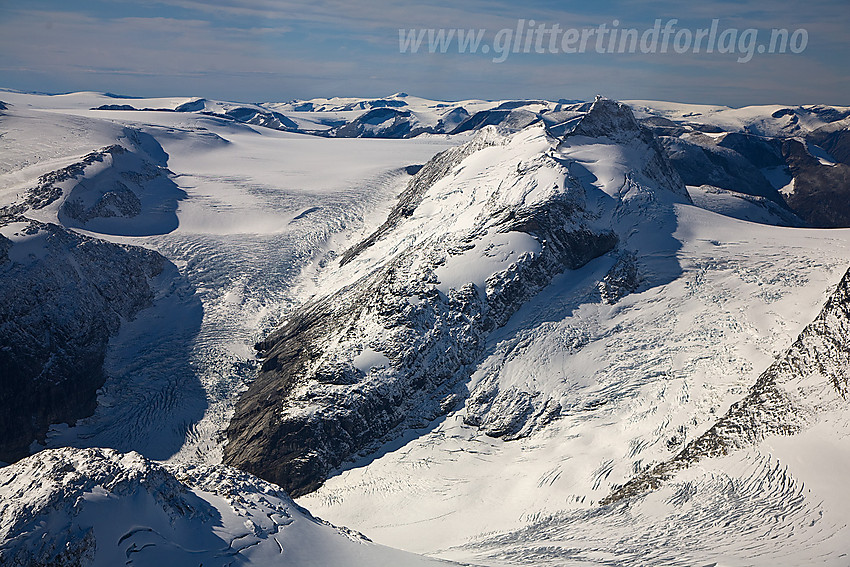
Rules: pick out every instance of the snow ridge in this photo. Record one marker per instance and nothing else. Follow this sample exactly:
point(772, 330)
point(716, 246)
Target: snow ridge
point(98, 507)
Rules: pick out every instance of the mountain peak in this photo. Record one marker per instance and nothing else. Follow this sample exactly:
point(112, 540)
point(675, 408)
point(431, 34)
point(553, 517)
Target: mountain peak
point(608, 118)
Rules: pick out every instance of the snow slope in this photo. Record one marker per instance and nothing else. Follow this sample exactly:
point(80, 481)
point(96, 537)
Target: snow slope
point(97, 507)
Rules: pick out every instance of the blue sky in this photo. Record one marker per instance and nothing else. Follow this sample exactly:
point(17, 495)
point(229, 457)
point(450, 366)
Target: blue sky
point(262, 50)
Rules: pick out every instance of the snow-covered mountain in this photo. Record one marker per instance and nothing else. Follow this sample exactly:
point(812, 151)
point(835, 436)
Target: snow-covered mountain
point(499, 333)
point(396, 116)
point(479, 231)
point(796, 157)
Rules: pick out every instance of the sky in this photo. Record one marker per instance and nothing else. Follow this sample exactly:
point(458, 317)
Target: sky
point(269, 50)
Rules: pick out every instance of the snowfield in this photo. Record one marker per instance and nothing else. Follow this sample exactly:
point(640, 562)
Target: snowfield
point(601, 374)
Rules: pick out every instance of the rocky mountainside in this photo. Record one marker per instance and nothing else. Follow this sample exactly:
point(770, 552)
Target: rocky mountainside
point(479, 231)
point(795, 157)
point(63, 296)
point(821, 187)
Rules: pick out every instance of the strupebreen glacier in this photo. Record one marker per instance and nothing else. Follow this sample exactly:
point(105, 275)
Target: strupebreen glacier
point(490, 332)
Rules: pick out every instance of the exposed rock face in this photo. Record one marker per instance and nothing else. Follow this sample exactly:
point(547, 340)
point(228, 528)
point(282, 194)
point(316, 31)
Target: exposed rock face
point(700, 161)
point(821, 194)
point(387, 122)
point(274, 120)
point(392, 348)
point(835, 139)
point(61, 297)
point(812, 376)
point(621, 280)
point(759, 152)
point(516, 119)
point(49, 187)
point(115, 107)
point(796, 157)
point(378, 123)
point(661, 126)
point(613, 120)
point(122, 189)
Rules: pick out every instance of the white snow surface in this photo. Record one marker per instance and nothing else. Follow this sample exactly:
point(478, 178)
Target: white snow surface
point(369, 359)
point(763, 120)
point(639, 379)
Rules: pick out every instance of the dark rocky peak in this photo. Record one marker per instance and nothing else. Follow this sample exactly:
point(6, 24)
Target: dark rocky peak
point(383, 103)
point(758, 150)
point(609, 119)
point(834, 138)
point(821, 195)
point(783, 112)
point(661, 126)
point(192, 106)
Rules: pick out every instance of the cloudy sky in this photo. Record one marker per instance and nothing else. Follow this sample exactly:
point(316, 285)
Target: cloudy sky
point(262, 50)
